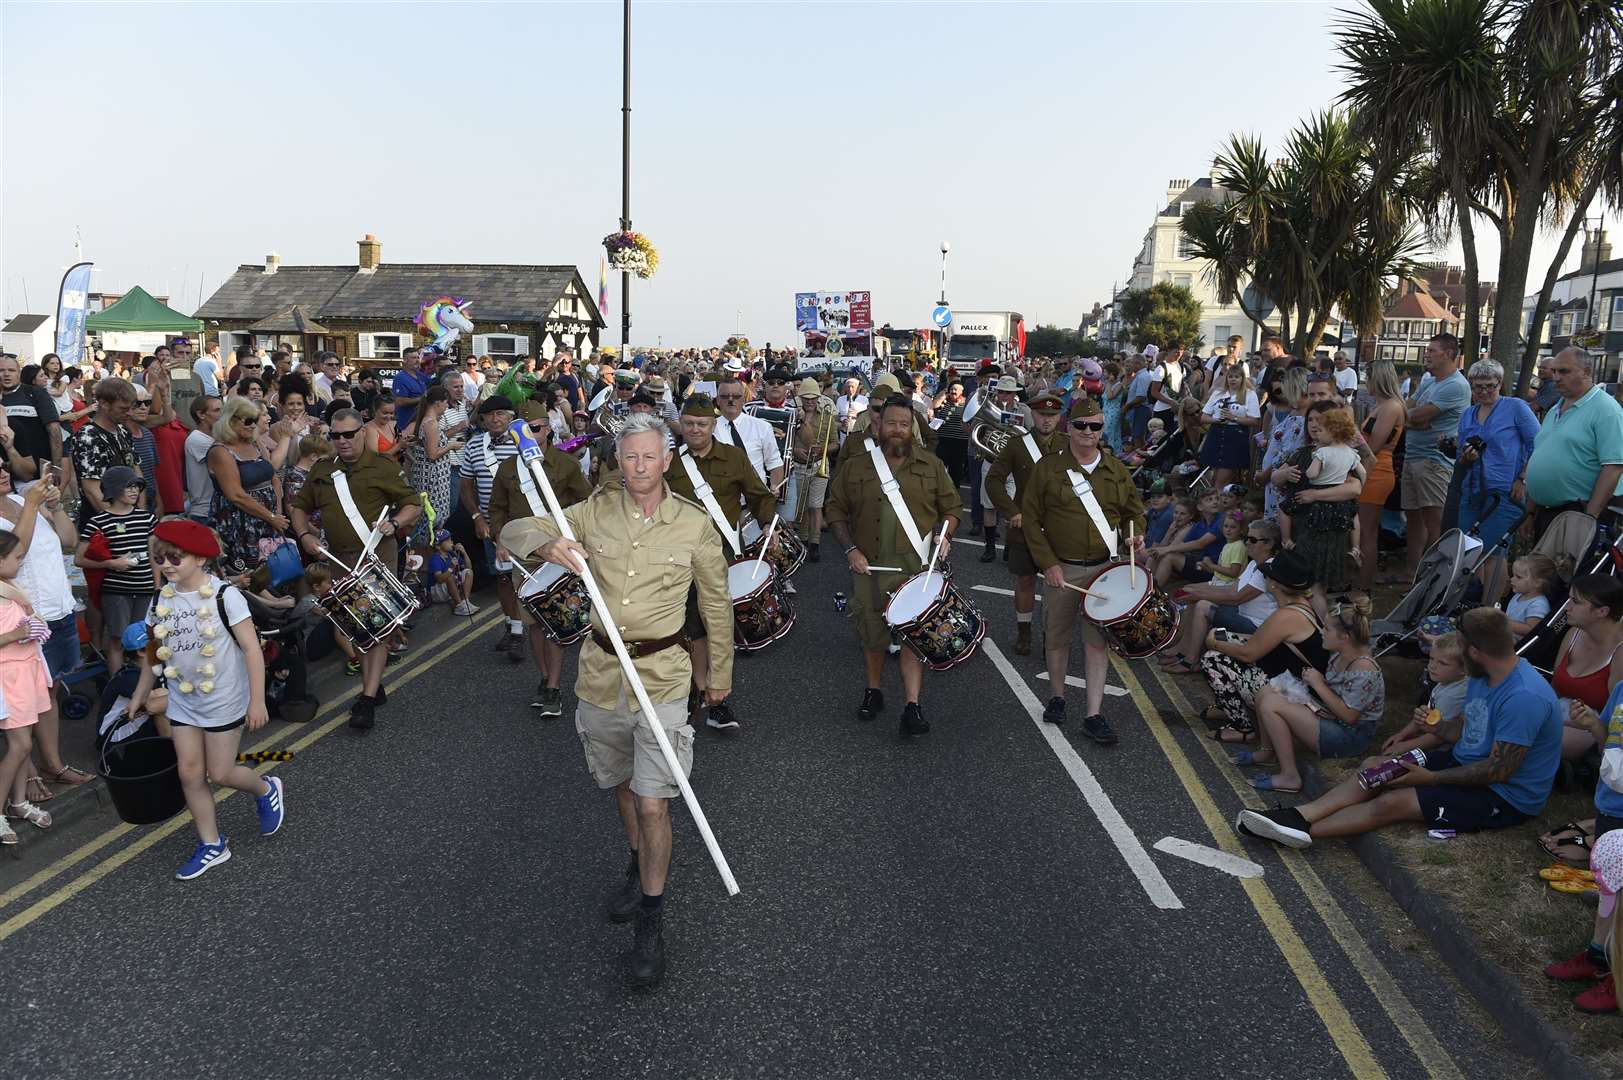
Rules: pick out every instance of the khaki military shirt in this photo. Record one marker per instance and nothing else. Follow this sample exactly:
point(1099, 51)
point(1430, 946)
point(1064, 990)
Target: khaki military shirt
point(728, 471)
point(856, 498)
point(375, 482)
point(862, 429)
point(644, 568)
point(1016, 461)
point(507, 499)
point(1056, 525)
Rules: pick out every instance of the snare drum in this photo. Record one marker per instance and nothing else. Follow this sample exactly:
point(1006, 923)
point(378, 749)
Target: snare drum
point(938, 624)
point(369, 604)
point(1136, 618)
point(559, 602)
point(791, 550)
point(762, 612)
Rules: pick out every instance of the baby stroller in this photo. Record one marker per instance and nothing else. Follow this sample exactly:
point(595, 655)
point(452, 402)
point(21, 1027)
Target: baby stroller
point(1439, 588)
point(282, 635)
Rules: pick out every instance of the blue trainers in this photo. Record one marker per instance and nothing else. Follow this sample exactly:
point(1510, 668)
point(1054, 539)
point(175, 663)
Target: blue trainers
point(270, 807)
point(204, 859)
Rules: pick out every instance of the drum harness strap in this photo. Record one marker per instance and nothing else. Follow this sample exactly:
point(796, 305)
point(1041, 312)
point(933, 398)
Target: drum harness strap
point(1031, 447)
point(526, 484)
point(707, 495)
point(893, 492)
point(1090, 503)
point(346, 500)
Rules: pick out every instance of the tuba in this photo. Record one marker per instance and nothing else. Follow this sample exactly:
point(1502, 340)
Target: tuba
point(987, 431)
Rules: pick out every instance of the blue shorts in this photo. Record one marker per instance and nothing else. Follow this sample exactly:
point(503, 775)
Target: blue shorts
point(61, 649)
point(1493, 514)
point(1464, 809)
point(1228, 617)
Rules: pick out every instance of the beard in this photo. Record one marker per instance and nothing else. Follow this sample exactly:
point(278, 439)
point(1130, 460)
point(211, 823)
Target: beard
point(1472, 668)
point(896, 445)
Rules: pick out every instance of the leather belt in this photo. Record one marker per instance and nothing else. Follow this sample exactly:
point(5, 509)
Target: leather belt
point(638, 649)
point(1084, 565)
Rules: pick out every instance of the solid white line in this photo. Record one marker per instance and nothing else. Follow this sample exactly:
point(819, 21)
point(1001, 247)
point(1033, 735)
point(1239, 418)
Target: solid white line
point(1082, 684)
point(1138, 860)
point(1208, 856)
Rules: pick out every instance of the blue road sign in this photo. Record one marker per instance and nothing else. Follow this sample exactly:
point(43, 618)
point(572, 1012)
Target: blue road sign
point(942, 316)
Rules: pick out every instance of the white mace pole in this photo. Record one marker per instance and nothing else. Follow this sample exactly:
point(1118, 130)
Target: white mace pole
point(532, 455)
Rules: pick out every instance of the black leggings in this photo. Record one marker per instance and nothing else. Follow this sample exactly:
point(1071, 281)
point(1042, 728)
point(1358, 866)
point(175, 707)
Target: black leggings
point(954, 454)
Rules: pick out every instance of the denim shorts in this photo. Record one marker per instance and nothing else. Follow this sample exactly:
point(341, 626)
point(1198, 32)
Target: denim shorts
point(1228, 617)
point(61, 649)
point(1337, 740)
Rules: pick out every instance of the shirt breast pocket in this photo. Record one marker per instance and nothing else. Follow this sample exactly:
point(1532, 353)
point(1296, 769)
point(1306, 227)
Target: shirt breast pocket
point(672, 566)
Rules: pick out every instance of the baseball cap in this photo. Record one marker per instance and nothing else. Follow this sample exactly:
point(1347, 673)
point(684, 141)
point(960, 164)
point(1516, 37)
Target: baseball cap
point(119, 477)
point(442, 534)
point(134, 637)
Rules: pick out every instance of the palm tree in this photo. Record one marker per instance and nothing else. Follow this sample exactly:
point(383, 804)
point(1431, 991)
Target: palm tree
point(1516, 103)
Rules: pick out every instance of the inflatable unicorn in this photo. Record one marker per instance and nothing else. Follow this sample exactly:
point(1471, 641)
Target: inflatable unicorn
point(444, 319)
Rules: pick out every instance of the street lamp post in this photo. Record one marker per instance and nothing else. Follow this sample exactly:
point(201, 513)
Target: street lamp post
point(625, 174)
point(945, 247)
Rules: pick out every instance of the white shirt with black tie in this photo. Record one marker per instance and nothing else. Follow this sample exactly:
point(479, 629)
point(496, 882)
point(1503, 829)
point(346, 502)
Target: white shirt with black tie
point(757, 439)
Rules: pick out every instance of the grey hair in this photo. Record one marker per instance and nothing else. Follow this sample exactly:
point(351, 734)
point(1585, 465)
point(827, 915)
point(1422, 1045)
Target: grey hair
point(1487, 369)
point(346, 414)
point(641, 424)
point(1293, 386)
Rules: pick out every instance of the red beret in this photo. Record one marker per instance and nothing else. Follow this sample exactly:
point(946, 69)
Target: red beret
point(189, 536)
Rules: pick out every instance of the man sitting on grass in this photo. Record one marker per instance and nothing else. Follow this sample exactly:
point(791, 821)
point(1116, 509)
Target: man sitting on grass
point(1507, 748)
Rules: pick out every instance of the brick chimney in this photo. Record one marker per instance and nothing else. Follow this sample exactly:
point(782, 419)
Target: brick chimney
point(1597, 249)
point(273, 262)
point(371, 253)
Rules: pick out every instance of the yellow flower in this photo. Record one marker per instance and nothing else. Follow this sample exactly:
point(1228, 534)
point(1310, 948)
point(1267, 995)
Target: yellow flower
point(160, 631)
point(206, 592)
point(206, 631)
point(161, 610)
point(206, 669)
point(207, 688)
point(208, 650)
point(167, 591)
point(165, 652)
point(171, 671)
point(157, 669)
point(185, 688)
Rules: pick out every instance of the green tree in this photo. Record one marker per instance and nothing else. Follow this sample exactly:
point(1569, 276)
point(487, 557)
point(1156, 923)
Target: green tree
point(1053, 341)
point(1517, 105)
point(1162, 314)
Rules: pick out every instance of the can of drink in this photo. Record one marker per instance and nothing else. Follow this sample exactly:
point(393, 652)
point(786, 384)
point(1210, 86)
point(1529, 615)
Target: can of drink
point(1380, 775)
point(839, 602)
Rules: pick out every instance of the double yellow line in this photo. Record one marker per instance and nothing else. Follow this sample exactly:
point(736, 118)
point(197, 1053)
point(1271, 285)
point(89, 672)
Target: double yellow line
point(432, 654)
point(1338, 1022)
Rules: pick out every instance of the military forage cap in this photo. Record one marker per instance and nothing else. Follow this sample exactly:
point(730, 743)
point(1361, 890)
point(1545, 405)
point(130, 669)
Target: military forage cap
point(1047, 403)
point(700, 405)
point(1084, 407)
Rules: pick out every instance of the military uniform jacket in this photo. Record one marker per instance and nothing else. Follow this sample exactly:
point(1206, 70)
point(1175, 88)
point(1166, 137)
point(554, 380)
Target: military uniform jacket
point(507, 499)
point(1057, 527)
point(644, 568)
point(728, 471)
point(923, 434)
point(1016, 461)
point(856, 498)
point(374, 482)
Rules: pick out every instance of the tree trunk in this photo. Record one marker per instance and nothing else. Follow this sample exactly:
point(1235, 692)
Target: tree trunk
point(1284, 325)
point(1536, 330)
point(1518, 229)
point(1471, 332)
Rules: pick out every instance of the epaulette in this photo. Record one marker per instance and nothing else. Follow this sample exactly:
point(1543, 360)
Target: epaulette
point(690, 502)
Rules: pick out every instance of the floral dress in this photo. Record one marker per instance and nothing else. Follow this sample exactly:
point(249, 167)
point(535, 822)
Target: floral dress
point(433, 479)
point(1285, 436)
point(1115, 393)
point(242, 533)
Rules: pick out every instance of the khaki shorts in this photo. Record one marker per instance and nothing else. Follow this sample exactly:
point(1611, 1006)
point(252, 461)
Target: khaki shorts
point(1021, 564)
point(870, 593)
point(814, 495)
point(619, 746)
point(1425, 484)
point(1062, 610)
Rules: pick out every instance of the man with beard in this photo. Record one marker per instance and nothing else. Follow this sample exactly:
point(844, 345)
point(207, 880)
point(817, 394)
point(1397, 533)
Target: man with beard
point(1016, 463)
point(1074, 513)
point(866, 523)
point(1506, 752)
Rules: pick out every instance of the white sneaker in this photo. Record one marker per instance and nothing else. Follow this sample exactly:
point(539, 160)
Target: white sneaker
point(463, 608)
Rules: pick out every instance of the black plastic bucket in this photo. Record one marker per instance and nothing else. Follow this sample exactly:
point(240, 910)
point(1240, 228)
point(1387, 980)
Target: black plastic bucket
point(143, 778)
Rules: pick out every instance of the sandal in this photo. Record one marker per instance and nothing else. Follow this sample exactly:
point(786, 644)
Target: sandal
point(1230, 735)
point(1214, 718)
point(71, 775)
point(27, 811)
point(39, 790)
point(1249, 757)
point(8, 835)
point(1265, 782)
point(1566, 873)
point(1573, 887)
point(1569, 844)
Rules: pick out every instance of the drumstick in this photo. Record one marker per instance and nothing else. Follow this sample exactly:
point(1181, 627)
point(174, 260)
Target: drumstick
point(928, 570)
point(885, 569)
point(766, 542)
point(1085, 592)
point(1132, 563)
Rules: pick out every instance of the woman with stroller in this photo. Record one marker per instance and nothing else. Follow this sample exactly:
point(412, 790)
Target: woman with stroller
point(1495, 440)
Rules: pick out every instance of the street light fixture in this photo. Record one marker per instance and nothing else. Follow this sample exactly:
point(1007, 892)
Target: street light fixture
point(945, 247)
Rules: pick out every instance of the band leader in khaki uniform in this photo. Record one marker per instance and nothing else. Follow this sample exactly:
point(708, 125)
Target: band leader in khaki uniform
point(374, 483)
point(733, 479)
point(646, 546)
point(862, 520)
point(1066, 545)
point(813, 448)
point(1015, 462)
point(507, 502)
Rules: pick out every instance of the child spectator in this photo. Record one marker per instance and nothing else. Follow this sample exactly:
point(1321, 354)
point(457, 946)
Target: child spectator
point(1159, 512)
point(452, 573)
point(1531, 579)
point(1203, 536)
point(1226, 568)
point(1446, 670)
point(127, 587)
point(312, 448)
point(319, 578)
point(25, 686)
point(210, 656)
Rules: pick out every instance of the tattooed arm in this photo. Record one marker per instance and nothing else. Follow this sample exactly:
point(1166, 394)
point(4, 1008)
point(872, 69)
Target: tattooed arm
point(1500, 765)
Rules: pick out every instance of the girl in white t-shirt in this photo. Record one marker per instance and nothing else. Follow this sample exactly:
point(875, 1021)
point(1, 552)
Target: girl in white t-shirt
point(216, 681)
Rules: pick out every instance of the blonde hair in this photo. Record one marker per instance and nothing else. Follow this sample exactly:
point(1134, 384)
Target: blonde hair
point(1383, 380)
point(1351, 616)
point(1541, 568)
point(233, 409)
point(1449, 644)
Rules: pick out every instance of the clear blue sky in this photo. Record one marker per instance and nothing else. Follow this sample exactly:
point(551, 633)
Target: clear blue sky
point(776, 146)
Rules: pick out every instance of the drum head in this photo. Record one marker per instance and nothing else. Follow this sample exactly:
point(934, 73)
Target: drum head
point(1119, 590)
point(543, 579)
point(744, 580)
point(916, 596)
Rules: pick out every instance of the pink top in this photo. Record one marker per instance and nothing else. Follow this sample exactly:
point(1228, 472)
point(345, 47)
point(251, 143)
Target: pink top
point(24, 680)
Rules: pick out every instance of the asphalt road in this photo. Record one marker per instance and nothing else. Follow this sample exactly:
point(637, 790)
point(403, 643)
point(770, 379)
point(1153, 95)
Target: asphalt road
point(968, 905)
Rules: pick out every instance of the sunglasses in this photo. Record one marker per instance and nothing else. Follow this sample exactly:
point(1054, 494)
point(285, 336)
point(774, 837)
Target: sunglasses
point(1255, 539)
point(350, 434)
point(1087, 425)
point(166, 559)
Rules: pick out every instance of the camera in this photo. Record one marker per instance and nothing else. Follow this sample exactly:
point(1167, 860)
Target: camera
point(1476, 443)
point(1449, 446)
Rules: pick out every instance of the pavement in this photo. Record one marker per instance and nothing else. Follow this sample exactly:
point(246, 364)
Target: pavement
point(987, 901)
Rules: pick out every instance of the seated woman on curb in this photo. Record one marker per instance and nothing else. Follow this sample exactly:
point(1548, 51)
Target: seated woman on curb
point(1239, 608)
point(1507, 748)
point(1590, 661)
point(1350, 698)
point(1287, 642)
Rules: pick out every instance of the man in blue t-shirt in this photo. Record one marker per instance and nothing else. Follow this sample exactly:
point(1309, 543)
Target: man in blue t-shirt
point(409, 386)
point(1507, 748)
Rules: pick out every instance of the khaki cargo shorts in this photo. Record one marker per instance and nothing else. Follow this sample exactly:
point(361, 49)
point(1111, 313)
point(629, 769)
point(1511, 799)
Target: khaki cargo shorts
point(1062, 610)
point(1425, 484)
point(870, 594)
point(619, 746)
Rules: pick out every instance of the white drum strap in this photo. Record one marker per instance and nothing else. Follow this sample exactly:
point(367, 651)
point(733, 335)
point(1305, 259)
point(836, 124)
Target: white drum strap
point(1031, 447)
point(526, 484)
point(346, 499)
point(1090, 503)
point(707, 496)
point(898, 506)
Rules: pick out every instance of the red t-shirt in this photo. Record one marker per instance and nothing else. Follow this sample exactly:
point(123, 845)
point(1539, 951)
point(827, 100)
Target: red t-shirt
point(171, 441)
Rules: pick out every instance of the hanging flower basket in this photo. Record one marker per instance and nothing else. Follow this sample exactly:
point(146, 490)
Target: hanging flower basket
point(631, 252)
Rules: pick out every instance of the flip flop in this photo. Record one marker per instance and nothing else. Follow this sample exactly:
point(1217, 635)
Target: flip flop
point(1222, 735)
point(1574, 888)
point(1249, 757)
point(1566, 873)
point(1265, 782)
point(1214, 722)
